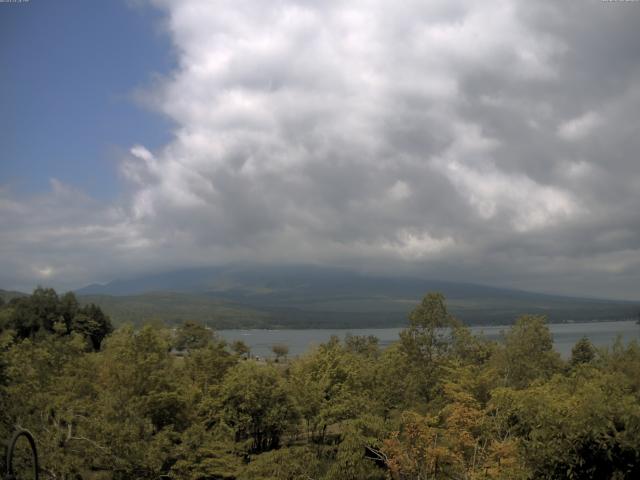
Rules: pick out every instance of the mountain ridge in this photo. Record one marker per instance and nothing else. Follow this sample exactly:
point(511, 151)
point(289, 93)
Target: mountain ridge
point(309, 296)
point(201, 280)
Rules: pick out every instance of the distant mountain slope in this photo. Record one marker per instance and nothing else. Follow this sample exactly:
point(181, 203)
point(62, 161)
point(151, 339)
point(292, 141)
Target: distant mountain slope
point(174, 308)
point(315, 297)
point(295, 281)
point(7, 295)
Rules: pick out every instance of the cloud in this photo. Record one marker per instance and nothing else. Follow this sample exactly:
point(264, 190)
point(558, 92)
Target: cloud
point(299, 117)
point(472, 141)
point(580, 127)
point(64, 236)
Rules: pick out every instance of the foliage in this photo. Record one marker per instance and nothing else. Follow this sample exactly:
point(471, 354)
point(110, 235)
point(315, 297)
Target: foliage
point(192, 335)
point(440, 403)
point(299, 463)
point(330, 385)
point(581, 426)
point(241, 349)
point(527, 353)
point(256, 406)
point(426, 343)
point(45, 312)
point(280, 350)
point(363, 345)
point(203, 453)
point(358, 455)
point(582, 352)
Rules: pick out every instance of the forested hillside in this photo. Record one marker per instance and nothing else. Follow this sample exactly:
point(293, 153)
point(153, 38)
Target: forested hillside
point(438, 404)
point(303, 296)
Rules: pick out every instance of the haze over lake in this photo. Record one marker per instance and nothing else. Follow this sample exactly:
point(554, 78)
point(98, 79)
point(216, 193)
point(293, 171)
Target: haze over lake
point(565, 335)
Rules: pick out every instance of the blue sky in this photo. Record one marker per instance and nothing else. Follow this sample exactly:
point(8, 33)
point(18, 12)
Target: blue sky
point(69, 72)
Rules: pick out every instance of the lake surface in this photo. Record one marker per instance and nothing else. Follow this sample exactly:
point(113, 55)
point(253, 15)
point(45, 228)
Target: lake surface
point(565, 335)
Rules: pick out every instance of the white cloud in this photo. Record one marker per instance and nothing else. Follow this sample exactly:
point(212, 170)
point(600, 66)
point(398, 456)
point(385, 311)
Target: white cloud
point(270, 98)
point(579, 127)
point(414, 133)
point(43, 272)
point(418, 245)
point(490, 192)
point(526, 203)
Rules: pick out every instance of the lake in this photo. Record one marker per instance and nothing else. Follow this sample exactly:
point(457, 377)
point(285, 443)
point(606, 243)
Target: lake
point(565, 335)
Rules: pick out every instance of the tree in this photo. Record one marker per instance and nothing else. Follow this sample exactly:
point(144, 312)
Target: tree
point(36, 313)
point(623, 360)
point(49, 381)
point(44, 312)
point(283, 464)
point(527, 353)
point(256, 405)
point(331, 385)
point(280, 351)
point(427, 340)
point(363, 345)
point(140, 407)
point(91, 322)
point(582, 352)
point(6, 314)
point(454, 444)
point(206, 367)
point(206, 454)
point(359, 455)
point(429, 334)
point(5, 423)
point(241, 349)
point(192, 335)
point(68, 308)
point(586, 425)
point(397, 386)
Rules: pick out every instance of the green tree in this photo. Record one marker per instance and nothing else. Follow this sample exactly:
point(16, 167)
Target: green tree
point(397, 386)
point(363, 345)
point(5, 421)
point(205, 367)
point(48, 384)
point(192, 335)
point(283, 464)
point(68, 307)
point(206, 454)
point(36, 313)
point(429, 333)
point(241, 349)
point(92, 323)
point(140, 407)
point(623, 360)
point(586, 425)
point(280, 351)
point(527, 353)
point(582, 352)
point(359, 455)
point(44, 312)
point(6, 313)
point(331, 385)
point(427, 341)
point(256, 405)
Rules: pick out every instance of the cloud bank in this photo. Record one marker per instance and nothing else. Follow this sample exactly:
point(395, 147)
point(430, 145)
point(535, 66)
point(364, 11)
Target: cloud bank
point(493, 143)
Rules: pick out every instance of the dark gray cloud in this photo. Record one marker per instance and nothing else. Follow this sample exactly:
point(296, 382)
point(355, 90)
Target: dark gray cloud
point(493, 143)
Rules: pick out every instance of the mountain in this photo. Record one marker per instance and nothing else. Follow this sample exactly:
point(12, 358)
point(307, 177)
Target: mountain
point(170, 308)
point(309, 296)
point(8, 295)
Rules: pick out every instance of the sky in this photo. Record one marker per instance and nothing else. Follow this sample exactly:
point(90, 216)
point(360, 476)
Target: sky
point(495, 143)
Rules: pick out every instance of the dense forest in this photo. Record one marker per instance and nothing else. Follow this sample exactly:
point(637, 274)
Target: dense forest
point(440, 403)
